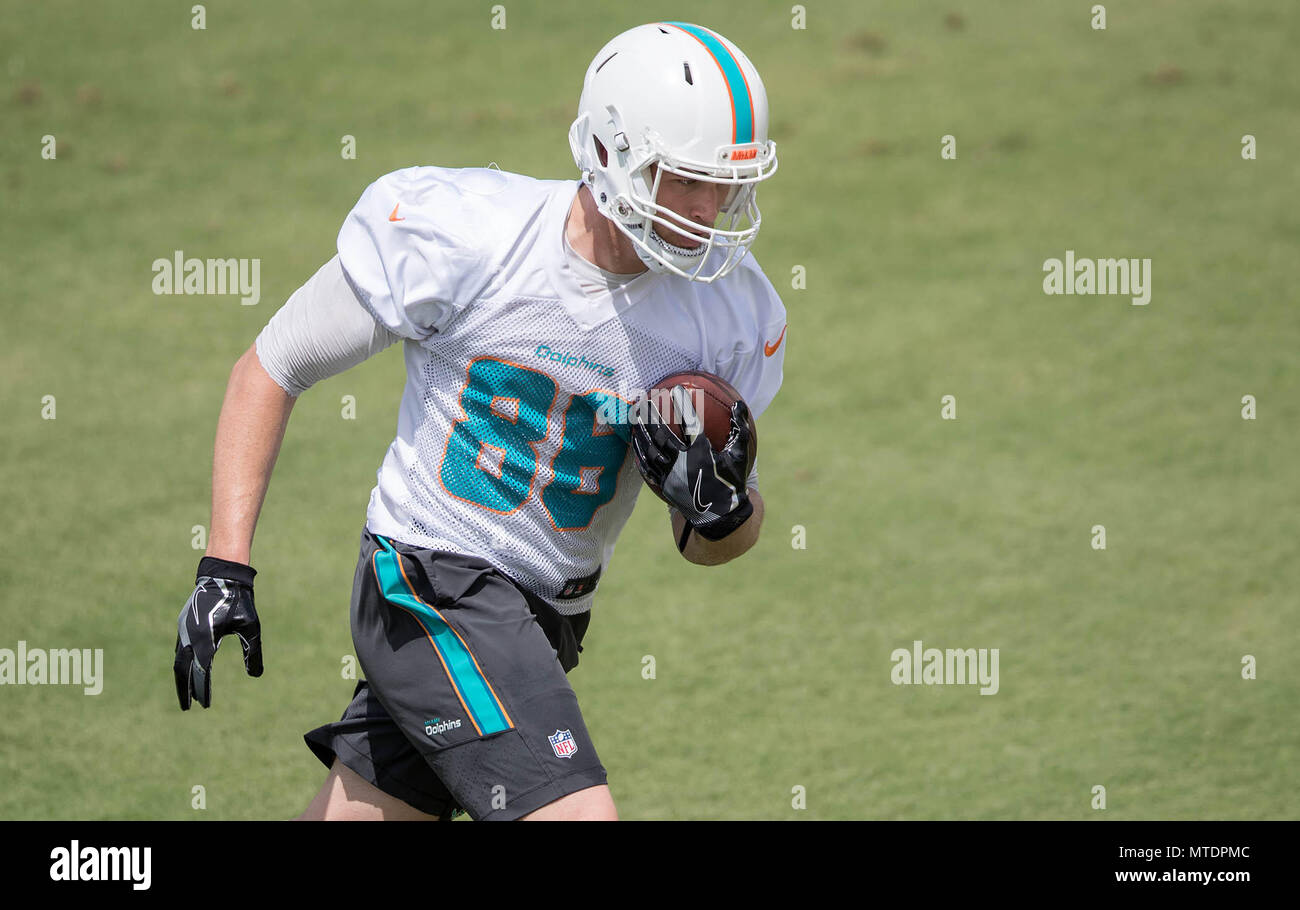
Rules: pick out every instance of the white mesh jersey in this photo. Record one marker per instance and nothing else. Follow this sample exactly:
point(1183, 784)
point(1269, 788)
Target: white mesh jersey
point(499, 452)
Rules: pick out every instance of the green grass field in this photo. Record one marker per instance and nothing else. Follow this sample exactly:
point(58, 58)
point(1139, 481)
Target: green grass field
point(1119, 668)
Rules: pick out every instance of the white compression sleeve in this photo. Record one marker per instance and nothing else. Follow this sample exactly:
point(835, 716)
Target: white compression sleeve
point(321, 331)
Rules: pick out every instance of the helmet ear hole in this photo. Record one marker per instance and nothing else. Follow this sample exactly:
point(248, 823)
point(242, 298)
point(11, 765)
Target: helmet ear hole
point(600, 152)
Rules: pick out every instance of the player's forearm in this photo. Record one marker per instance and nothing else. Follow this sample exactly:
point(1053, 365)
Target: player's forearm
point(704, 552)
point(249, 432)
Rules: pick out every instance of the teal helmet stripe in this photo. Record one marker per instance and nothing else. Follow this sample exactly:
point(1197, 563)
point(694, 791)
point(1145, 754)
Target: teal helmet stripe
point(485, 711)
point(742, 104)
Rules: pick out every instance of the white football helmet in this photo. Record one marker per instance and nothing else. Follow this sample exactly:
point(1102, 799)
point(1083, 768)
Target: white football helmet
point(686, 99)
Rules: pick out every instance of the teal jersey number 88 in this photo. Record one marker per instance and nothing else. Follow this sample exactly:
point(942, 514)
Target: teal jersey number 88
point(491, 455)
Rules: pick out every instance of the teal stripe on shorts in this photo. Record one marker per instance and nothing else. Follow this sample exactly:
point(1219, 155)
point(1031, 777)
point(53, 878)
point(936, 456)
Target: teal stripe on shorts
point(473, 688)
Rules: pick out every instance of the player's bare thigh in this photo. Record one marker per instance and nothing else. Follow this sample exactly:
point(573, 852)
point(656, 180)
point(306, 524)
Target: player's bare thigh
point(594, 804)
point(347, 796)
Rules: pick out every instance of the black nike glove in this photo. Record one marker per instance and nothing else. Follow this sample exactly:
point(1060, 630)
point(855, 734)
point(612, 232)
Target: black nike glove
point(221, 605)
point(709, 488)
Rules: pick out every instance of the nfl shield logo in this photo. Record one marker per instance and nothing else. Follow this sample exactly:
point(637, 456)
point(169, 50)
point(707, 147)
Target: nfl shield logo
point(562, 744)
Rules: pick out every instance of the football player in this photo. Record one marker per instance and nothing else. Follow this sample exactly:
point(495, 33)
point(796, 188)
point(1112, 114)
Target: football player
point(524, 306)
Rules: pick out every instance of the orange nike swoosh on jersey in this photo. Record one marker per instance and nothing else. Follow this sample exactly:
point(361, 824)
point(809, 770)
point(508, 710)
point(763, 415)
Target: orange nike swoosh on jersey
point(393, 217)
point(770, 349)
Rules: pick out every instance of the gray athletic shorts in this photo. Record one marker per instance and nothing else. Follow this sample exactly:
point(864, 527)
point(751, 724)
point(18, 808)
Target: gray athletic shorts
point(465, 705)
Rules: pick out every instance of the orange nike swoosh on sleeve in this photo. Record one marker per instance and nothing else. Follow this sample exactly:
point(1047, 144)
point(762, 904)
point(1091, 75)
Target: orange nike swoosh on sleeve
point(393, 217)
point(770, 349)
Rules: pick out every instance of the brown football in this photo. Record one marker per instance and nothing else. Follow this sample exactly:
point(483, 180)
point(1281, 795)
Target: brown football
point(712, 397)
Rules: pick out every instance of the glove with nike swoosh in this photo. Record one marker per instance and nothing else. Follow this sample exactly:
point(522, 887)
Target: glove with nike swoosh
point(709, 488)
point(221, 605)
